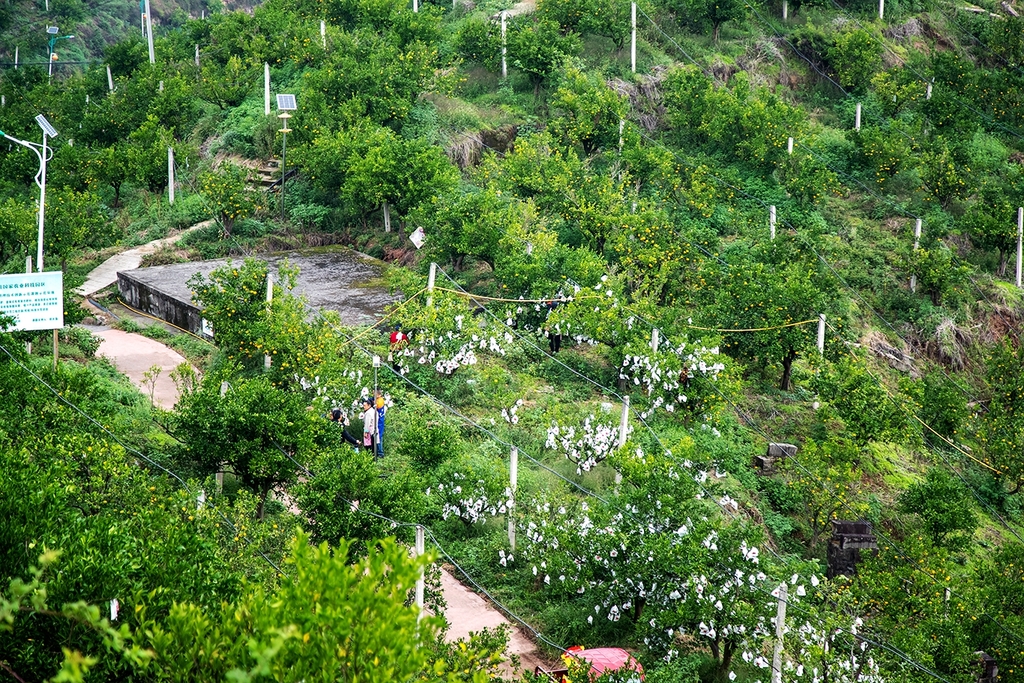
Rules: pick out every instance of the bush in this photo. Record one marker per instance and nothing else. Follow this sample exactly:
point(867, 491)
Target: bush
point(427, 439)
point(943, 504)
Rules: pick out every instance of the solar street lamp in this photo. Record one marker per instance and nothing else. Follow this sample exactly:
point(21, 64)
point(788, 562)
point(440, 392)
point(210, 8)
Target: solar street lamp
point(44, 153)
point(285, 104)
point(51, 43)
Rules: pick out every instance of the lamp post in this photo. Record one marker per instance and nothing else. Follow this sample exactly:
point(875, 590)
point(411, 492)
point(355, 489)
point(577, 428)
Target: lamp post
point(44, 153)
point(285, 104)
point(51, 55)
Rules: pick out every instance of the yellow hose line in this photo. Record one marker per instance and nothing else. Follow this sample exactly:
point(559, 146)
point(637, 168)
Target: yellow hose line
point(161, 320)
point(751, 329)
point(379, 322)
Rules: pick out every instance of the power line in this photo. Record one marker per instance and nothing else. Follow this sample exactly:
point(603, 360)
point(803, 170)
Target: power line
point(131, 449)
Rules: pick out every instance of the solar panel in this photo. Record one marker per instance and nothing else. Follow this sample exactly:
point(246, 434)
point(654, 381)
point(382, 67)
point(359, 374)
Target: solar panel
point(45, 125)
point(52, 30)
point(286, 103)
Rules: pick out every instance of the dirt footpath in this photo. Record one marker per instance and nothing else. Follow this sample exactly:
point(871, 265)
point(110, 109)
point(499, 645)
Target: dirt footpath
point(134, 355)
point(468, 611)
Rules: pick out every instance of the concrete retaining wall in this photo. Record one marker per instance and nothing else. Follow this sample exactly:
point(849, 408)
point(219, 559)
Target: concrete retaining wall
point(147, 299)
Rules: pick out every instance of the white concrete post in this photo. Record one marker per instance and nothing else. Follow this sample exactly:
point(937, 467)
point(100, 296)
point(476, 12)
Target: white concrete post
point(881, 9)
point(917, 244)
point(856, 125)
point(790, 145)
point(771, 220)
point(170, 175)
point(420, 582)
point(504, 48)
point(430, 283)
point(821, 333)
point(780, 626)
point(785, 10)
point(3, 100)
point(160, 88)
point(270, 299)
point(623, 426)
point(42, 209)
point(415, 6)
point(654, 340)
point(323, 33)
point(15, 56)
point(622, 128)
point(266, 89)
point(1020, 239)
point(197, 56)
point(149, 33)
point(110, 80)
point(387, 217)
point(513, 478)
point(928, 93)
point(28, 271)
point(632, 44)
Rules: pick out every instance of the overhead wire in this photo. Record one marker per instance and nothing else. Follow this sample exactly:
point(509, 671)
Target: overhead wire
point(131, 449)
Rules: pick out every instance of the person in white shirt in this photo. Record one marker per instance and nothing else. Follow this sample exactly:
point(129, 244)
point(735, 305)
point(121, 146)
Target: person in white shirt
point(369, 424)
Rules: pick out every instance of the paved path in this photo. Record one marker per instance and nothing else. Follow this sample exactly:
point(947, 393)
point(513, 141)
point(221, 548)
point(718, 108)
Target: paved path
point(134, 355)
point(105, 274)
point(467, 612)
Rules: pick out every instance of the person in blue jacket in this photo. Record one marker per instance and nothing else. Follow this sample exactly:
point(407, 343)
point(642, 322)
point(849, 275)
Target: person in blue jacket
point(378, 403)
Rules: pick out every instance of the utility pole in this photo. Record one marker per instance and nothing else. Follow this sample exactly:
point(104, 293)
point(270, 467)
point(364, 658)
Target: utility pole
point(1020, 240)
point(632, 43)
point(430, 284)
point(270, 300)
point(420, 582)
point(149, 33)
point(780, 626)
point(623, 427)
point(170, 175)
point(513, 478)
point(504, 48)
point(917, 244)
point(266, 88)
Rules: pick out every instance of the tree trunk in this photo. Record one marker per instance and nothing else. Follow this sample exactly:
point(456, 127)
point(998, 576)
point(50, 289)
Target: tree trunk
point(787, 370)
point(1003, 261)
point(717, 30)
point(263, 504)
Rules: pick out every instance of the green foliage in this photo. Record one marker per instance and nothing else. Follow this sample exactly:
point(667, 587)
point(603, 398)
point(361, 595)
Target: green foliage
point(855, 56)
point(751, 122)
point(537, 47)
point(369, 165)
point(229, 190)
point(348, 490)
point(428, 438)
point(255, 430)
point(587, 111)
point(701, 15)
point(944, 506)
point(852, 393)
point(1003, 422)
point(825, 479)
point(334, 614)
